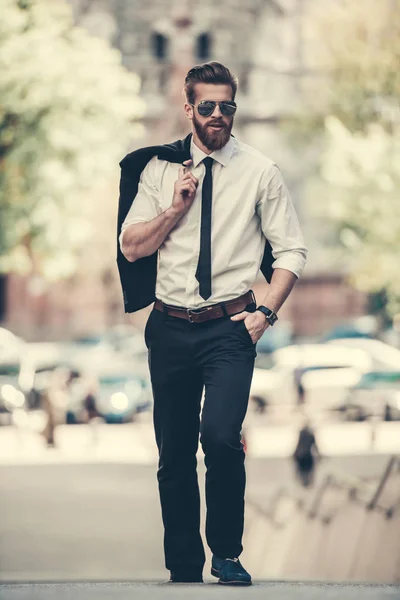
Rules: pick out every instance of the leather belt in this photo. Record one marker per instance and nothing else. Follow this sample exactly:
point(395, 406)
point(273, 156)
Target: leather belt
point(215, 311)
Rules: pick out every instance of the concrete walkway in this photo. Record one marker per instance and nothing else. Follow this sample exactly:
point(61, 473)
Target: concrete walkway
point(210, 591)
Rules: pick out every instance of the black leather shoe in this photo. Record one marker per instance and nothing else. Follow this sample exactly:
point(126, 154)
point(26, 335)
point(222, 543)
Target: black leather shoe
point(188, 575)
point(229, 571)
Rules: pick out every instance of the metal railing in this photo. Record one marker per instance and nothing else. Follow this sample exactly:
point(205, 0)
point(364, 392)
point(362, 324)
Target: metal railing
point(271, 510)
point(360, 491)
point(363, 492)
point(393, 464)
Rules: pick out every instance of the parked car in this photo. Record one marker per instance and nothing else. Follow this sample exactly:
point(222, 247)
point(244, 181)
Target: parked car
point(11, 396)
point(20, 377)
point(120, 386)
point(383, 356)
point(376, 394)
point(122, 339)
point(37, 363)
point(326, 371)
point(11, 346)
point(118, 396)
point(365, 326)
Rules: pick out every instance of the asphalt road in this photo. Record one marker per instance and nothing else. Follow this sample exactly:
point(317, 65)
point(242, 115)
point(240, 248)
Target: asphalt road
point(101, 522)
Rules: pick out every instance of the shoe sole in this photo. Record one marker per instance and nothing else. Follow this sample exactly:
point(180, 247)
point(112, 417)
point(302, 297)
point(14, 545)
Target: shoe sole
point(244, 583)
point(184, 582)
point(215, 573)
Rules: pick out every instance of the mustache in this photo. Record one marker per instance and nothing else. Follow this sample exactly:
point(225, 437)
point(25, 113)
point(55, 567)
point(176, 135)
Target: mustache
point(221, 123)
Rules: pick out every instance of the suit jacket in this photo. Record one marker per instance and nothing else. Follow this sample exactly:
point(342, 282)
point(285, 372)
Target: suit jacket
point(138, 279)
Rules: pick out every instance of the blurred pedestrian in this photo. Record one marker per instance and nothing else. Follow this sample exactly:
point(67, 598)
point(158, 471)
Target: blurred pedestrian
point(93, 416)
point(298, 376)
point(208, 211)
point(49, 428)
point(53, 401)
point(374, 421)
point(305, 455)
point(387, 413)
point(260, 404)
point(90, 404)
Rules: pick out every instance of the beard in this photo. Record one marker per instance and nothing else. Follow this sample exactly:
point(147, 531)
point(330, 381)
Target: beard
point(213, 139)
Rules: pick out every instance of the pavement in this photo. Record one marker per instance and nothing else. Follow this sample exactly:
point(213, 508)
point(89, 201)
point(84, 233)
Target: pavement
point(102, 522)
point(153, 591)
point(88, 510)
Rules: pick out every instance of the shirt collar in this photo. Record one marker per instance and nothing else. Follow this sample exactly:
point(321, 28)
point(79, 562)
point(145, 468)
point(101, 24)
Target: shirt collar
point(222, 156)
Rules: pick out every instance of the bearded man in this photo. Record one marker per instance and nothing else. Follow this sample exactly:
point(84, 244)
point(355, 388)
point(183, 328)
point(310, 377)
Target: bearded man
point(202, 230)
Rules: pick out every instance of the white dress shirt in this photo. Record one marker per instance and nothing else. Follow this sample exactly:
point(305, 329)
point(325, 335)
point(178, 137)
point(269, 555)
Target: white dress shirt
point(250, 203)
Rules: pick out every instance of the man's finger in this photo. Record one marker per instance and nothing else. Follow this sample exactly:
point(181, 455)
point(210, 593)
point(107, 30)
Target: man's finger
point(189, 177)
point(185, 165)
point(188, 187)
point(240, 316)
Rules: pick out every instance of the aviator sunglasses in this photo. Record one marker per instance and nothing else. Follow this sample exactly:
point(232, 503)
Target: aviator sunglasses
point(206, 108)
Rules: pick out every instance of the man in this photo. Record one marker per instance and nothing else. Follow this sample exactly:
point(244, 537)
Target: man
point(209, 221)
point(305, 454)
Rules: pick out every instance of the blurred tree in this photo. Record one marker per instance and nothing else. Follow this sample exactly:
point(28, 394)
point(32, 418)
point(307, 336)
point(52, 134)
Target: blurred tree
point(359, 44)
point(67, 112)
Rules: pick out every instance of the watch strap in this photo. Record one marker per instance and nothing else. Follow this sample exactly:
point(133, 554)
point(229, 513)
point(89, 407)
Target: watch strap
point(269, 314)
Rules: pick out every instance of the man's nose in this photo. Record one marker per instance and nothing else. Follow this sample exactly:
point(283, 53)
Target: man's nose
point(217, 111)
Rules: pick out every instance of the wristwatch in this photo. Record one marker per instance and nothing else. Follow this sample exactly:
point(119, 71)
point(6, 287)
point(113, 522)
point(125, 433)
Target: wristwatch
point(269, 314)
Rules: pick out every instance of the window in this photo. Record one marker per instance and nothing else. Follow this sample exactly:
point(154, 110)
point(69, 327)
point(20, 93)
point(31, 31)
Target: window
point(159, 46)
point(204, 46)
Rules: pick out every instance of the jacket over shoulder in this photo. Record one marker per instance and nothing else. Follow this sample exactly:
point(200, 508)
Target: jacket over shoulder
point(138, 279)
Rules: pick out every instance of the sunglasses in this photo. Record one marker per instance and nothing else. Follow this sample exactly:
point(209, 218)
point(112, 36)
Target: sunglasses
point(206, 108)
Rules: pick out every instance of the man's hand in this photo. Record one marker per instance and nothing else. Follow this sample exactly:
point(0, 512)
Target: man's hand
point(184, 190)
point(255, 322)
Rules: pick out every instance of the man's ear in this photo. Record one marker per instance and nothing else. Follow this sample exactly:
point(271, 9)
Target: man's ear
point(188, 110)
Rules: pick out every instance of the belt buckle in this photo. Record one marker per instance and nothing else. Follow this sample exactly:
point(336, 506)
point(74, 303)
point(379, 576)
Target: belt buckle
point(197, 311)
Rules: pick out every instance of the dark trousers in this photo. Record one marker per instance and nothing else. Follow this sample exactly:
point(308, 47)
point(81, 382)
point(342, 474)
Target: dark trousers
point(185, 358)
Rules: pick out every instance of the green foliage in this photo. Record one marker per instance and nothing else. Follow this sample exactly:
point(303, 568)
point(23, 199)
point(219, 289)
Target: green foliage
point(362, 49)
point(67, 111)
point(358, 193)
point(358, 188)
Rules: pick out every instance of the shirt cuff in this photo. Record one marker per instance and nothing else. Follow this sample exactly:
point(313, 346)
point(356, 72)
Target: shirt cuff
point(126, 224)
point(120, 239)
point(293, 261)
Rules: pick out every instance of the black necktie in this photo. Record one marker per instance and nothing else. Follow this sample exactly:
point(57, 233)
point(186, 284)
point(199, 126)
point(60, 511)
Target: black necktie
point(203, 272)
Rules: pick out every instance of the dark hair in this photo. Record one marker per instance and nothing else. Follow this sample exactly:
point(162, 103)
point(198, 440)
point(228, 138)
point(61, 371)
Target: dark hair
point(212, 72)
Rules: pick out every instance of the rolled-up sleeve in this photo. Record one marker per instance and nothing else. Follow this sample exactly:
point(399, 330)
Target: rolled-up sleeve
point(146, 204)
point(280, 224)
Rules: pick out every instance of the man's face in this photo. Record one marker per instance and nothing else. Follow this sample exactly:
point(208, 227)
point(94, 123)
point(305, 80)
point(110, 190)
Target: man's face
point(213, 131)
